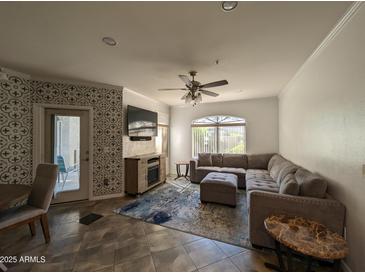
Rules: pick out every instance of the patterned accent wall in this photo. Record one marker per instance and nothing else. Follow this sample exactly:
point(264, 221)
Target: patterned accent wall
point(15, 131)
point(17, 97)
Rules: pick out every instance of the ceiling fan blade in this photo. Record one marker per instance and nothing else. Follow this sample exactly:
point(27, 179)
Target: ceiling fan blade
point(183, 98)
point(166, 89)
point(209, 93)
point(186, 80)
point(214, 84)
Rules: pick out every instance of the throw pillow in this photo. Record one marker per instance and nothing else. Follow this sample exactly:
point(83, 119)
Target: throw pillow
point(289, 185)
point(310, 184)
point(204, 159)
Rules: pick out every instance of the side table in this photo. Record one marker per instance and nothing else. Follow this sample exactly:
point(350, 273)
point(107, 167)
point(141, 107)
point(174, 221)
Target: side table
point(178, 170)
point(308, 238)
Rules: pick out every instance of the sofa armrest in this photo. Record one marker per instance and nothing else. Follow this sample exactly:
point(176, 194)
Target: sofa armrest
point(261, 204)
point(193, 166)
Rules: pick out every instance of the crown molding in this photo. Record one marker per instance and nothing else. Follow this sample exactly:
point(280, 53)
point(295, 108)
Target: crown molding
point(346, 18)
point(15, 73)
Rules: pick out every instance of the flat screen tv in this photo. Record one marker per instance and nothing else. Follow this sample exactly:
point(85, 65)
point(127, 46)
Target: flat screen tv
point(141, 122)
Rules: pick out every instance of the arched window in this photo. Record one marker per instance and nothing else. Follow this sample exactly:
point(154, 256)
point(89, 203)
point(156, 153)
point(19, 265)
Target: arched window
point(218, 134)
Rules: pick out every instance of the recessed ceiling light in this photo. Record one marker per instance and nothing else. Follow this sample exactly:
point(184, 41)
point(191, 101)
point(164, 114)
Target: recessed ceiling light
point(109, 41)
point(229, 5)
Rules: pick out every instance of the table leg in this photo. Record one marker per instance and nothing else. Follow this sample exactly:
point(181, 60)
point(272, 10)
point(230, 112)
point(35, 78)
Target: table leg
point(337, 265)
point(178, 172)
point(289, 260)
point(309, 264)
point(281, 266)
point(186, 171)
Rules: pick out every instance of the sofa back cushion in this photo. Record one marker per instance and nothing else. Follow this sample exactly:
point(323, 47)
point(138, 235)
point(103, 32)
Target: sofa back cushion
point(286, 168)
point(204, 159)
point(258, 161)
point(310, 184)
point(289, 185)
point(235, 160)
point(217, 159)
point(276, 159)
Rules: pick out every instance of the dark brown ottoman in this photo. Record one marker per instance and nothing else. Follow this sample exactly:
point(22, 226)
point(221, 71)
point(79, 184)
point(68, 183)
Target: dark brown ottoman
point(219, 188)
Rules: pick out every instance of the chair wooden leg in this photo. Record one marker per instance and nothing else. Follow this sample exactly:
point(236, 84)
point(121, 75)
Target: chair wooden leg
point(45, 229)
point(32, 228)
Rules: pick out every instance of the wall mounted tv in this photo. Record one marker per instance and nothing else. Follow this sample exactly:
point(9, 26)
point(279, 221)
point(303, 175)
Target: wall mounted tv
point(142, 123)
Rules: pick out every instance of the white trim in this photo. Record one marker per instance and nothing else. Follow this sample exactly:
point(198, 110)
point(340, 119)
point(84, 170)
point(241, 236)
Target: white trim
point(346, 18)
point(345, 267)
point(38, 136)
point(108, 196)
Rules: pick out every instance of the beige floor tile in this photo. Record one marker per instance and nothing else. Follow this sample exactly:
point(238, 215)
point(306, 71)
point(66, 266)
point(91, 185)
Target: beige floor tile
point(173, 260)
point(162, 240)
point(204, 252)
point(93, 259)
point(222, 266)
point(150, 228)
point(131, 249)
point(144, 264)
point(228, 249)
point(183, 237)
point(253, 260)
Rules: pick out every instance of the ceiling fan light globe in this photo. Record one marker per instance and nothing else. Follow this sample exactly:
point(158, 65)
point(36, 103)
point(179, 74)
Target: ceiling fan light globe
point(199, 98)
point(188, 99)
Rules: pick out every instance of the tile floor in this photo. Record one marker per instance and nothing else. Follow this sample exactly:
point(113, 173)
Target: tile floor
point(118, 243)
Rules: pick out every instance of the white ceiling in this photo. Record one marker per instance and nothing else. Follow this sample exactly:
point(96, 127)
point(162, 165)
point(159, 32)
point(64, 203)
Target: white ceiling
point(260, 45)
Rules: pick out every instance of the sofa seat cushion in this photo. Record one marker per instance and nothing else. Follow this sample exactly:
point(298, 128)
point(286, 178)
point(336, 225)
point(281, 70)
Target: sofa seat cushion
point(16, 215)
point(233, 170)
point(258, 174)
point(234, 160)
point(209, 168)
point(264, 185)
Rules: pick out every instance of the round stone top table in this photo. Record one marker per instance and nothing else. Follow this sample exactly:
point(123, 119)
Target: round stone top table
point(10, 195)
point(306, 237)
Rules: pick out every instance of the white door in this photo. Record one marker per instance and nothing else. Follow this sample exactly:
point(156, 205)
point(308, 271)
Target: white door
point(67, 145)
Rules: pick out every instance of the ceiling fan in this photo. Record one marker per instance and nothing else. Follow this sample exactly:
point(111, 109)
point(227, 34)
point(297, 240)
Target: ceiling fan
point(195, 89)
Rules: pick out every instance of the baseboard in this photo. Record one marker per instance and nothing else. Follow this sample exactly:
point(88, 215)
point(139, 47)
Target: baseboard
point(108, 196)
point(345, 267)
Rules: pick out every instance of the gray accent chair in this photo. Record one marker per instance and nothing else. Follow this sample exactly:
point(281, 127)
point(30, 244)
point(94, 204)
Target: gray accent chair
point(37, 204)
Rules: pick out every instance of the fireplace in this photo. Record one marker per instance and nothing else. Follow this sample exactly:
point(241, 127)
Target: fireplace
point(153, 173)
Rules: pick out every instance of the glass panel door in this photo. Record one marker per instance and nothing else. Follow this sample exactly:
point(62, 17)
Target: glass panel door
point(67, 145)
point(67, 152)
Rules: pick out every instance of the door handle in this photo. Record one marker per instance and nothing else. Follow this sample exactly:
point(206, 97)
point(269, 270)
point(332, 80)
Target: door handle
point(86, 159)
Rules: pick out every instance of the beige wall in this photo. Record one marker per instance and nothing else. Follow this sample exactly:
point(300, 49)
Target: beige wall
point(261, 131)
point(322, 124)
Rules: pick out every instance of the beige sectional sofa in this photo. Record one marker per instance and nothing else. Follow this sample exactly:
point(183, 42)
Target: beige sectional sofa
point(274, 185)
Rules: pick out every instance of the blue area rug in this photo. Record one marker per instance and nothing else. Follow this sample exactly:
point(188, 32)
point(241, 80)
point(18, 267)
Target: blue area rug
point(176, 204)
